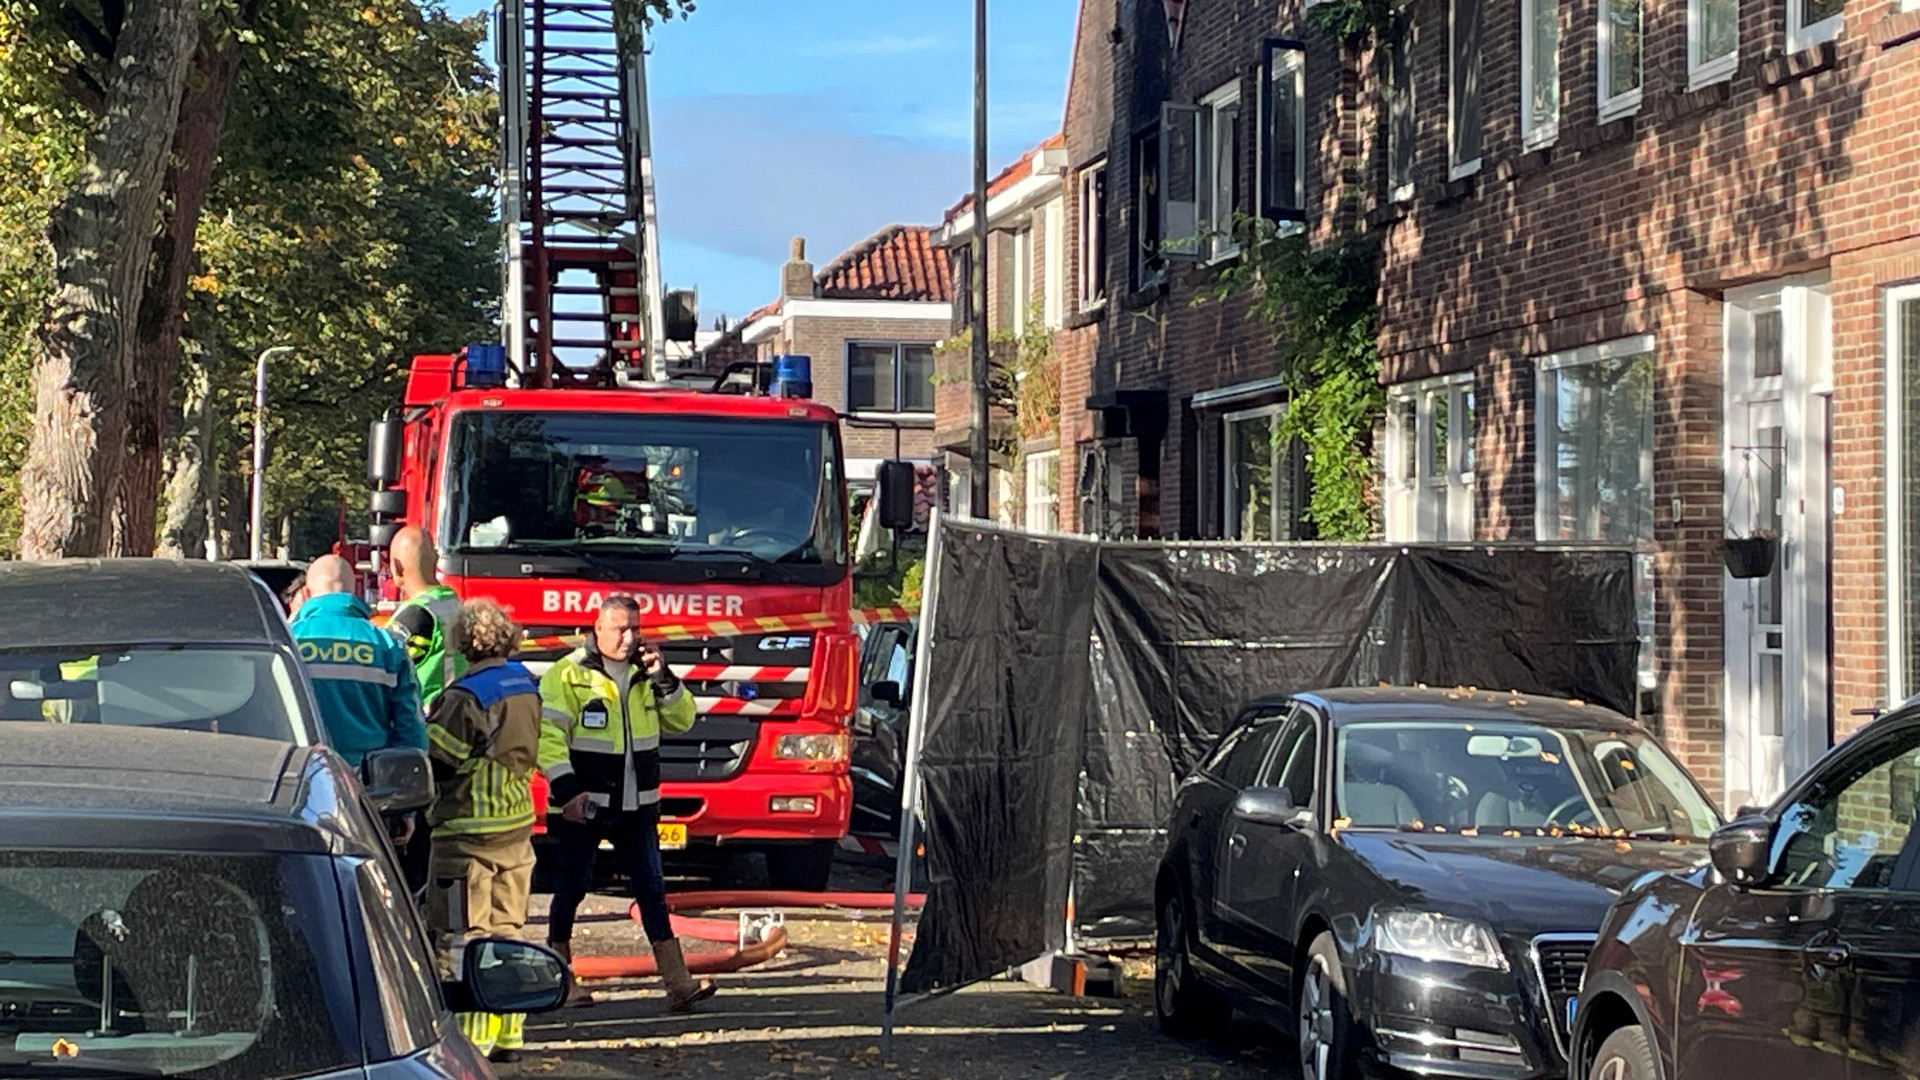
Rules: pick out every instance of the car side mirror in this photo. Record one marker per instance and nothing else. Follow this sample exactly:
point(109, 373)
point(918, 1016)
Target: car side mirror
point(895, 487)
point(1741, 850)
point(888, 693)
point(1270, 806)
point(499, 975)
point(399, 779)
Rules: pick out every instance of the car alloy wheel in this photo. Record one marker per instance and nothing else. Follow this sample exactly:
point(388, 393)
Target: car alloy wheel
point(1316, 1021)
point(1170, 959)
point(1326, 1036)
point(1624, 1055)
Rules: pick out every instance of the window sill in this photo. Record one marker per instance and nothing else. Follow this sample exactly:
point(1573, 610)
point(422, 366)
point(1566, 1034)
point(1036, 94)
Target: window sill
point(1697, 99)
point(1713, 73)
point(1532, 163)
point(1146, 295)
point(1541, 138)
point(1780, 69)
point(1222, 258)
point(1456, 191)
point(910, 419)
point(1088, 315)
point(1387, 213)
point(1898, 28)
point(1588, 139)
point(1464, 170)
point(1620, 108)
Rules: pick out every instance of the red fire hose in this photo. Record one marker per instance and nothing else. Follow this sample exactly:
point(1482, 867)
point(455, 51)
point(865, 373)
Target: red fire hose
point(638, 966)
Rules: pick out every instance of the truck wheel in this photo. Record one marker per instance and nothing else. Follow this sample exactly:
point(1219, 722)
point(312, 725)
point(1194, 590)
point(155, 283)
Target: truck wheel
point(801, 867)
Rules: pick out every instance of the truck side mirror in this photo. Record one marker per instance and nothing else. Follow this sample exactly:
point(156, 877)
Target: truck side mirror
point(895, 486)
point(384, 441)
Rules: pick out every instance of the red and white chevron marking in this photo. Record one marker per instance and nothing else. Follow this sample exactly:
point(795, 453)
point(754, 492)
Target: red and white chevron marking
point(869, 845)
point(740, 673)
point(727, 706)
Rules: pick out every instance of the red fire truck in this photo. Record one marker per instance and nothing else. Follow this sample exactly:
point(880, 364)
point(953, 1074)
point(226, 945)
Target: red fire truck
point(724, 516)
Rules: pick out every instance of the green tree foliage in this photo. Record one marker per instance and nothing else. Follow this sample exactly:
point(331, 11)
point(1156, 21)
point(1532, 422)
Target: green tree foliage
point(1321, 302)
point(352, 219)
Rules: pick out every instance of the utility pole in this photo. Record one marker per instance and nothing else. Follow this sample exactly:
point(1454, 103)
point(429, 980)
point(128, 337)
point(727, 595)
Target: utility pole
point(978, 446)
point(258, 518)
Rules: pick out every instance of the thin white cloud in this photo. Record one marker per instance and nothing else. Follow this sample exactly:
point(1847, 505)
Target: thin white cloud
point(886, 45)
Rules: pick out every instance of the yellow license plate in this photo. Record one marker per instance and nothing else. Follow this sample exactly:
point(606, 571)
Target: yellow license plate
point(672, 837)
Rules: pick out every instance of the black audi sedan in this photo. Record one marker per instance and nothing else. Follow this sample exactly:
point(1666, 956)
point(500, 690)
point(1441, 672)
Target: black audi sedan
point(1412, 878)
point(1796, 954)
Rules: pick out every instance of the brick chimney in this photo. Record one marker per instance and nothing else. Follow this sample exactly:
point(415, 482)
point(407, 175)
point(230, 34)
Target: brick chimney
point(796, 279)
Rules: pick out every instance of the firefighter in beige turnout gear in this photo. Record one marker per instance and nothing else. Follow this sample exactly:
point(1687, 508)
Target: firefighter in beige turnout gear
point(605, 706)
point(484, 738)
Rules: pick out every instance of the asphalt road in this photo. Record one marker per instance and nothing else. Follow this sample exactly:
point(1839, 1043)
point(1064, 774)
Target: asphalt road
point(815, 1012)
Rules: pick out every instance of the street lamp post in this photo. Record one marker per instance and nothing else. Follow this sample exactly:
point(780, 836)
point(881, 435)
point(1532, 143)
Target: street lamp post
point(978, 445)
point(258, 519)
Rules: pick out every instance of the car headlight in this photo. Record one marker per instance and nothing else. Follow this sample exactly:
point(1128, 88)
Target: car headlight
point(1426, 936)
point(811, 747)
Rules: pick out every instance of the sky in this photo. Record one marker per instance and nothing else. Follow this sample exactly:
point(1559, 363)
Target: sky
point(830, 119)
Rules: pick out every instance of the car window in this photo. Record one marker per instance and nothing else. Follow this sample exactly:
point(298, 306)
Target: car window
point(1848, 831)
point(897, 666)
point(1514, 776)
point(232, 691)
point(1237, 764)
point(222, 967)
point(409, 980)
point(1292, 766)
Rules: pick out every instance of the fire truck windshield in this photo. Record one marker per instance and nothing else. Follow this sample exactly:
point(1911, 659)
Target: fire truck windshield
point(645, 486)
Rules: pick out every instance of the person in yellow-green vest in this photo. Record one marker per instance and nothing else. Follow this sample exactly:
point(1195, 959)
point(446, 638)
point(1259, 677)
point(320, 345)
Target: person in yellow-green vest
point(426, 612)
point(483, 736)
point(605, 706)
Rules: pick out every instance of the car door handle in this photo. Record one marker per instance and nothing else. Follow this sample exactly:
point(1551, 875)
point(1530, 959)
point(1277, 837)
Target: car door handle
point(1833, 954)
point(1238, 844)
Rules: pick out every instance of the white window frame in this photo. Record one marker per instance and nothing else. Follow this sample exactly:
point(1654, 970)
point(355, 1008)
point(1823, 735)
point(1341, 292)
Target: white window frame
point(1092, 241)
point(1020, 281)
point(1053, 266)
point(1546, 509)
point(1801, 37)
point(1229, 508)
point(1289, 59)
point(1457, 487)
point(1459, 170)
point(1614, 106)
point(1041, 497)
point(1218, 244)
point(1896, 538)
point(1717, 69)
point(1538, 132)
point(1400, 68)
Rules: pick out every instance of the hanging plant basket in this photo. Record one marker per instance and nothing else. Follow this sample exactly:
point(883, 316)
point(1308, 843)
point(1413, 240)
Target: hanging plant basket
point(1750, 556)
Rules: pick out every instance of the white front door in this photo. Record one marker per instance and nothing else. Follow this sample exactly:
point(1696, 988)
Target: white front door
point(1778, 656)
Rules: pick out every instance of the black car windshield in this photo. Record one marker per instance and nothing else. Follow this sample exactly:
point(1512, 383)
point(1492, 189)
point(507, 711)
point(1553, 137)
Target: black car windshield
point(232, 691)
point(214, 966)
point(1513, 776)
point(645, 484)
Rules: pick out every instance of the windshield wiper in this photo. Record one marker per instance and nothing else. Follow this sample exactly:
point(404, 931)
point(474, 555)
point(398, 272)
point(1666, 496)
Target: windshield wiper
point(94, 1066)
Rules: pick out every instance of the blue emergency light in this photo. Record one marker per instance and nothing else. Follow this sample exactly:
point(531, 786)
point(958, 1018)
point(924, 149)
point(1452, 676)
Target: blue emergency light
point(486, 365)
point(792, 376)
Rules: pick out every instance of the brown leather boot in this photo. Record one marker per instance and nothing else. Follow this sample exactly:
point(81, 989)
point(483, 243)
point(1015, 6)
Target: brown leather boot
point(577, 995)
point(683, 990)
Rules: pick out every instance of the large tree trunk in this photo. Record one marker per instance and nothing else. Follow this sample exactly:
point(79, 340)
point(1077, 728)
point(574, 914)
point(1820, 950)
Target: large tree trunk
point(156, 347)
point(190, 472)
point(101, 235)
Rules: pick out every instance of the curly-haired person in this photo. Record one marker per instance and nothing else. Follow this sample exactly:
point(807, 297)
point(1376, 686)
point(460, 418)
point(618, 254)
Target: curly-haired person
point(484, 733)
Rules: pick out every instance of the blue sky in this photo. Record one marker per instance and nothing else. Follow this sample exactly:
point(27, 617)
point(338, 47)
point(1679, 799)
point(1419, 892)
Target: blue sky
point(830, 119)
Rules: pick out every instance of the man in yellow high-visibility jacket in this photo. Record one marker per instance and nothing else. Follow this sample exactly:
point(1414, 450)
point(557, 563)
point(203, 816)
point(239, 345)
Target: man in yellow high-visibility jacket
point(605, 706)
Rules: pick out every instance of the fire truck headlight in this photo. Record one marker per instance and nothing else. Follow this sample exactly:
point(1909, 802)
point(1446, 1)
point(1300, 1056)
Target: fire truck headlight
point(811, 747)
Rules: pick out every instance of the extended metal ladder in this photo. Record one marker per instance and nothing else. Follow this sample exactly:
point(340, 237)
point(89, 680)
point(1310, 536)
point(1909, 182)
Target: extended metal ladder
point(581, 302)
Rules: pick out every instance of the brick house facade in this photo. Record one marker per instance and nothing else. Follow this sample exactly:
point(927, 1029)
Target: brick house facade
point(869, 321)
point(1028, 296)
point(1666, 305)
point(1171, 398)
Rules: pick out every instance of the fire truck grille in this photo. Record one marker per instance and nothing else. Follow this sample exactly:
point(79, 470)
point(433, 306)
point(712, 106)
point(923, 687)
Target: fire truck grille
point(715, 748)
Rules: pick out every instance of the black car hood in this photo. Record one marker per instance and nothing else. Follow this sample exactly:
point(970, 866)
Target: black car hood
point(1526, 885)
